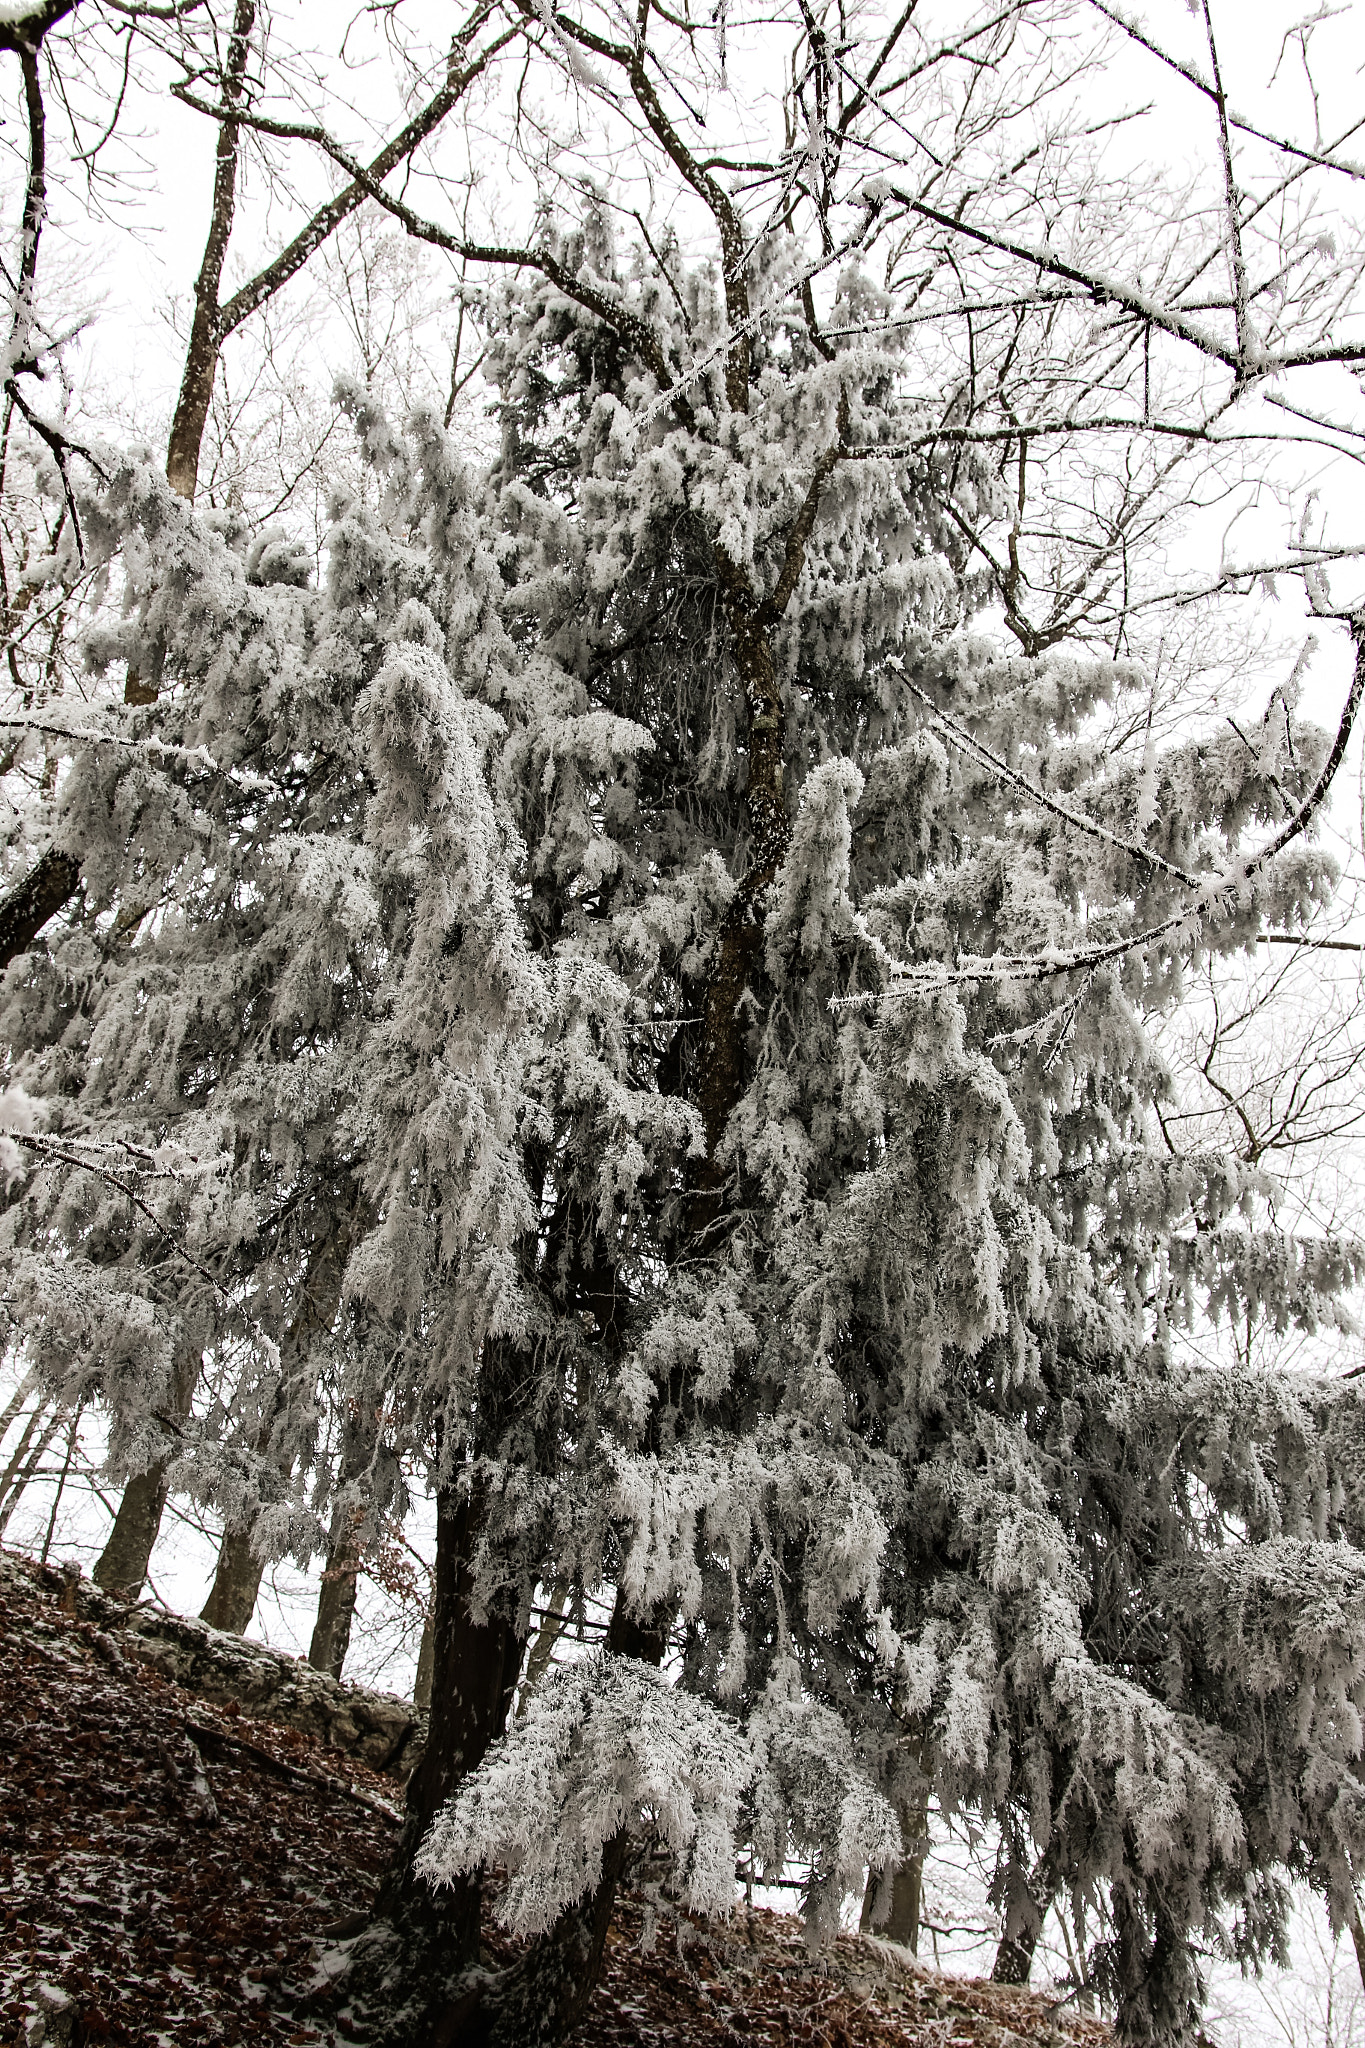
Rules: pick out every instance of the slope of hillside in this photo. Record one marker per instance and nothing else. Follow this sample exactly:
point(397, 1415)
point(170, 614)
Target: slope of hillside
point(177, 1868)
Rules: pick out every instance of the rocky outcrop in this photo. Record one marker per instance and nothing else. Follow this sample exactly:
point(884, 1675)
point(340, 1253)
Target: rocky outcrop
point(374, 1728)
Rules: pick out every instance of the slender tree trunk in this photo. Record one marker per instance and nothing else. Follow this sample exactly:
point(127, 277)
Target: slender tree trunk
point(14, 1406)
point(55, 878)
point(543, 1648)
point(426, 1667)
point(122, 1566)
point(201, 358)
point(1357, 1927)
point(345, 1542)
point(336, 1598)
point(11, 1498)
point(26, 1437)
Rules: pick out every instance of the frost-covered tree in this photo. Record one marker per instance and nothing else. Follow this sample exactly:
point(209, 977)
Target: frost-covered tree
point(636, 995)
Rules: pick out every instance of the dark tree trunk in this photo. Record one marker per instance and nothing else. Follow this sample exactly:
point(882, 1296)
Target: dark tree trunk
point(201, 357)
point(409, 1974)
point(236, 1583)
point(547, 1992)
point(1014, 1957)
point(896, 1918)
point(1026, 1896)
point(1357, 1927)
point(474, 1671)
point(426, 1659)
point(47, 888)
point(122, 1566)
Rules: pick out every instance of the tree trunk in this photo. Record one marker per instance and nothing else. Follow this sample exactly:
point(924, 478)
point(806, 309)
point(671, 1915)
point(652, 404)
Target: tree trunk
point(1357, 1927)
point(547, 1991)
point(426, 1661)
point(901, 1909)
point(407, 1974)
point(336, 1599)
point(474, 1670)
point(201, 357)
point(543, 1648)
point(11, 1498)
point(47, 888)
point(346, 1538)
point(122, 1566)
point(1014, 1957)
point(236, 1582)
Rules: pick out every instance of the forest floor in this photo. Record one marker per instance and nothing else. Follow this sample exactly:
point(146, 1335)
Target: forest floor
point(173, 1870)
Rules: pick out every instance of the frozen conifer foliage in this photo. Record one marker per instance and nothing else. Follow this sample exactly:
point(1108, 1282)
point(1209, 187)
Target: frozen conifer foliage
point(636, 994)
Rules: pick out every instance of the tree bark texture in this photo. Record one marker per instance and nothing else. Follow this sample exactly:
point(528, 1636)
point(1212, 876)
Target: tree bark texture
point(47, 888)
point(474, 1670)
point(905, 1887)
point(547, 1991)
point(410, 1974)
point(346, 1537)
point(201, 357)
point(426, 1663)
point(336, 1599)
point(1014, 1957)
point(236, 1583)
point(122, 1566)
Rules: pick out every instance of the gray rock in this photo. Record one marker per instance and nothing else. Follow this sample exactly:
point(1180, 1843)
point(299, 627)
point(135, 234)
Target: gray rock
point(375, 1728)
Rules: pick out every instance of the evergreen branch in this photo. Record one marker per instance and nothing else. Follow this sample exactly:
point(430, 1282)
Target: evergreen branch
point(967, 743)
point(245, 779)
point(49, 1148)
point(799, 532)
point(1041, 966)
